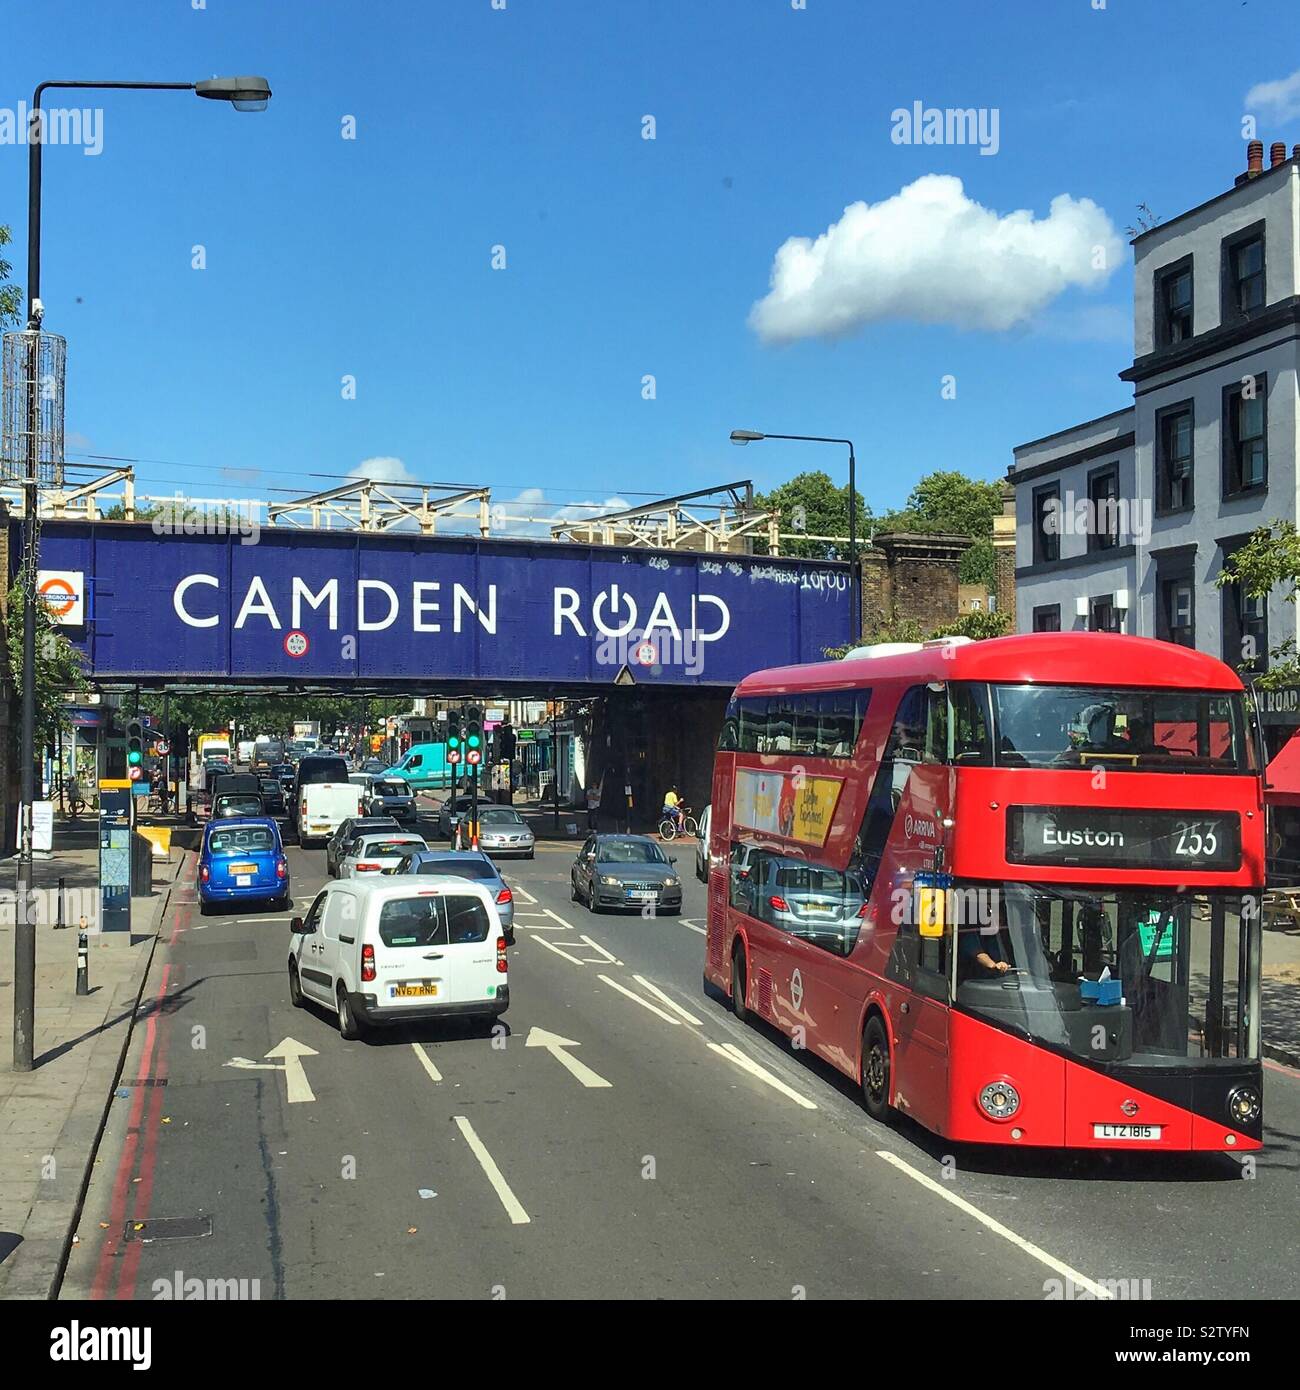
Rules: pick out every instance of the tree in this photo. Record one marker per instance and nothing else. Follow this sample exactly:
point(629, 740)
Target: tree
point(11, 297)
point(977, 626)
point(58, 666)
point(1271, 557)
point(144, 511)
point(825, 513)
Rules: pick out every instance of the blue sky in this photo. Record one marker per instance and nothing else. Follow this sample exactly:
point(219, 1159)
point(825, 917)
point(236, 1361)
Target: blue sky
point(626, 257)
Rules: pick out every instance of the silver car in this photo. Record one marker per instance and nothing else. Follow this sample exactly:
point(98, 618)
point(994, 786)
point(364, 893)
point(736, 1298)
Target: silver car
point(464, 863)
point(376, 851)
point(503, 831)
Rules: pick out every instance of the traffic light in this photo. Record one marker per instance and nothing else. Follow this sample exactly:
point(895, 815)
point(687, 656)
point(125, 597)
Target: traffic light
point(474, 742)
point(134, 749)
point(453, 746)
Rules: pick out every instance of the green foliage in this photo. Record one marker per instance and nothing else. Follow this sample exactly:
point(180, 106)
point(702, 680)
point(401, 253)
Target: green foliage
point(58, 666)
point(825, 511)
point(144, 511)
point(1271, 557)
point(977, 626)
point(978, 565)
point(274, 715)
point(11, 297)
point(953, 502)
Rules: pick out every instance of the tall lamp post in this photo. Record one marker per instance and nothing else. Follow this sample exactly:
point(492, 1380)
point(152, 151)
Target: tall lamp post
point(244, 94)
point(752, 437)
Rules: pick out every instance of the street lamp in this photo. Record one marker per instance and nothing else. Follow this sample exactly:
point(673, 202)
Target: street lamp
point(244, 94)
point(753, 436)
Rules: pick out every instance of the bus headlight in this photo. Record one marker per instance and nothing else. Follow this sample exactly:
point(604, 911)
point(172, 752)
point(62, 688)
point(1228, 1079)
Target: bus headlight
point(999, 1100)
point(1243, 1104)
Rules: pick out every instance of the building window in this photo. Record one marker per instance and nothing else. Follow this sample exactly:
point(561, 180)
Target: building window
point(1176, 604)
point(1048, 618)
point(1245, 436)
point(1245, 626)
point(1047, 523)
point(1104, 615)
point(1103, 499)
point(1243, 273)
point(1173, 303)
point(1174, 435)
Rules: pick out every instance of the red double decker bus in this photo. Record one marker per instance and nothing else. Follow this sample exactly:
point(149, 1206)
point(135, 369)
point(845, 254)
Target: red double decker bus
point(1012, 887)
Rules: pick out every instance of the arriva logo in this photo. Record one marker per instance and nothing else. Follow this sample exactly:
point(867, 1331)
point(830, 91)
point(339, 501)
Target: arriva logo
point(918, 825)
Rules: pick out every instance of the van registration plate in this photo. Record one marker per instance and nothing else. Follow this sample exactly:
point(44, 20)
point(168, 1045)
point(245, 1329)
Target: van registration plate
point(413, 989)
point(1132, 1132)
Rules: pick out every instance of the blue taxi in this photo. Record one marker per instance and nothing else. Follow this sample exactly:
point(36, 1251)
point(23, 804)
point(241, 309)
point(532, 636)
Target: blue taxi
point(243, 860)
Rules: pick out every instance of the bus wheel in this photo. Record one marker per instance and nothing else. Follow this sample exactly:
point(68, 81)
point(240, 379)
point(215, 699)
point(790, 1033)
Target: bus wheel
point(739, 982)
point(875, 1069)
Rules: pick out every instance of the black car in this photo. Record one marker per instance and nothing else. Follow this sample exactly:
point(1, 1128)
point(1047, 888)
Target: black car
point(272, 796)
point(284, 774)
point(625, 871)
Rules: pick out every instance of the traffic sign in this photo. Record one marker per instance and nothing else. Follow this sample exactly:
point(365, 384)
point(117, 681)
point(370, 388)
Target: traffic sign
point(162, 747)
point(134, 773)
point(296, 643)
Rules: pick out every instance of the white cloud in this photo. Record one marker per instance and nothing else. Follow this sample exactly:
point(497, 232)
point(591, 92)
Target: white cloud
point(1089, 323)
point(1279, 99)
point(530, 514)
point(930, 254)
point(384, 470)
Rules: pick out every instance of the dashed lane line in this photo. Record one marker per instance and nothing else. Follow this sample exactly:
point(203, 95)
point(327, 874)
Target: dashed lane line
point(518, 1216)
point(1036, 1252)
point(427, 1063)
point(672, 1003)
point(645, 1003)
point(746, 1063)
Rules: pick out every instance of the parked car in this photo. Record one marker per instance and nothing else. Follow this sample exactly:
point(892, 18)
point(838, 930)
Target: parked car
point(230, 804)
point(373, 767)
point(352, 828)
point(376, 850)
point(451, 810)
point(242, 860)
point(390, 797)
point(702, 845)
point(397, 950)
point(464, 863)
point(622, 871)
point(272, 796)
point(503, 831)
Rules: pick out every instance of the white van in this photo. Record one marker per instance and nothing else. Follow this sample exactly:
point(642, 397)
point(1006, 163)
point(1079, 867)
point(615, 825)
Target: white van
point(400, 950)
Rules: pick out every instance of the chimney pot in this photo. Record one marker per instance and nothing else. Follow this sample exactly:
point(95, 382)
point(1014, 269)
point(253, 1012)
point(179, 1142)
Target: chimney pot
point(1276, 153)
point(1295, 151)
point(1255, 158)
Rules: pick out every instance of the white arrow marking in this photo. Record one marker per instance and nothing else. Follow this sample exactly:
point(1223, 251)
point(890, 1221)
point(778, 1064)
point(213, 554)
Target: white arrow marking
point(554, 1044)
point(247, 1064)
point(294, 1076)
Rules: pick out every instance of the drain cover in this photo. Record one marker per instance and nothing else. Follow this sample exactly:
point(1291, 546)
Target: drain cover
point(167, 1228)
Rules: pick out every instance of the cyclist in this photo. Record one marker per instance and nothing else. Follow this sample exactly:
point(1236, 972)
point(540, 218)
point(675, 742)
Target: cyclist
point(673, 807)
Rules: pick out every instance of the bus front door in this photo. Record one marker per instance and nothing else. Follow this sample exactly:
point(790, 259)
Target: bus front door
point(920, 1024)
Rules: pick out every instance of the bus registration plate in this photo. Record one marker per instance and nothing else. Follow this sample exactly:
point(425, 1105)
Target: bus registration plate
point(1131, 1132)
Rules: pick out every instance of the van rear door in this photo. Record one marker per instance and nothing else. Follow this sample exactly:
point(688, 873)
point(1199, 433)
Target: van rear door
point(435, 944)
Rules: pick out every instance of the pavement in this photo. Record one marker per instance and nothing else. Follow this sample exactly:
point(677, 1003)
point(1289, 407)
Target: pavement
point(51, 1117)
point(1279, 993)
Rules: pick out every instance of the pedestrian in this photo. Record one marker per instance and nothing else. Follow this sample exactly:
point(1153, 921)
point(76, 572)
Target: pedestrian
point(593, 806)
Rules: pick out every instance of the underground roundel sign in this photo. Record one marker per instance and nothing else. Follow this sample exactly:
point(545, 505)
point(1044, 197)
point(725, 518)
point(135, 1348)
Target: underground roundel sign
point(296, 643)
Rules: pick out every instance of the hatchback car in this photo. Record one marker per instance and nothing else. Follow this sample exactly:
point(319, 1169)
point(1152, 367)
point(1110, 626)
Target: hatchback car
point(243, 860)
point(810, 901)
point(622, 871)
point(373, 851)
point(453, 809)
point(390, 797)
point(237, 804)
point(400, 950)
point(337, 845)
point(373, 767)
point(503, 831)
point(464, 863)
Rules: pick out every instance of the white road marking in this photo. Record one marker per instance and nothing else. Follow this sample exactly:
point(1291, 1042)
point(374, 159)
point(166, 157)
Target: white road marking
point(690, 926)
point(672, 1003)
point(518, 1216)
point(645, 1003)
point(596, 946)
point(427, 1063)
point(555, 917)
point(1082, 1281)
point(554, 1044)
point(542, 941)
point(528, 897)
point(538, 926)
point(733, 1054)
point(294, 1075)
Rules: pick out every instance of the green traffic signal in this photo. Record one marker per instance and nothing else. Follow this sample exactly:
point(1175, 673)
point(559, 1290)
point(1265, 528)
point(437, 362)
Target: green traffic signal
point(474, 740)
point(134, 757)
point(453, 742)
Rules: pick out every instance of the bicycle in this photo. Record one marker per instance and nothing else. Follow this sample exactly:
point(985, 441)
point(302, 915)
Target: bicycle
point(669, 829)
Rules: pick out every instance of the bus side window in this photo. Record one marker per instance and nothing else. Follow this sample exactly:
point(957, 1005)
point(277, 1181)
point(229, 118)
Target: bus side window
point(902, 753)
point(969, 725)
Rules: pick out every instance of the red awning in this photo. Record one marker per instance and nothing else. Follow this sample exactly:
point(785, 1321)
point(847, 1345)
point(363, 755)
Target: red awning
point(1283, 783)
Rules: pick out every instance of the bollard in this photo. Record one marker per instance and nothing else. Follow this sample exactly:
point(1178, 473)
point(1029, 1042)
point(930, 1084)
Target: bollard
point(83, 960)
point(59, 923)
